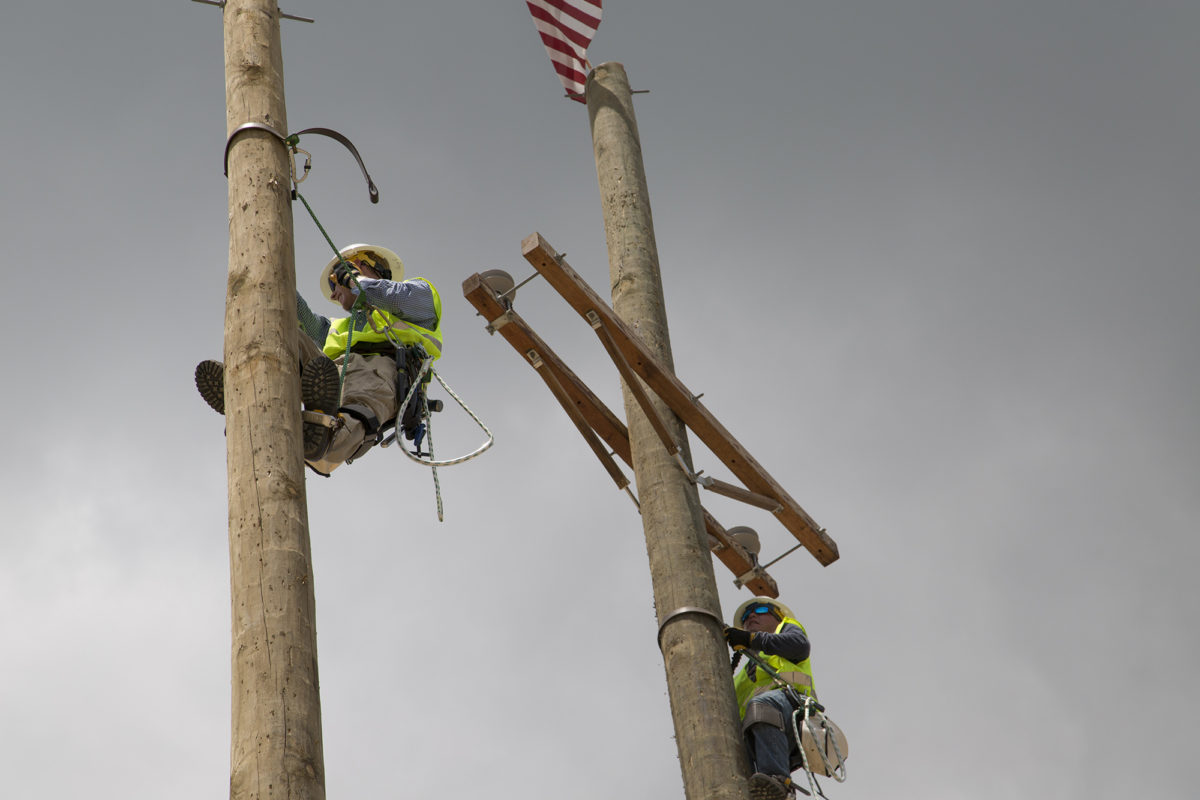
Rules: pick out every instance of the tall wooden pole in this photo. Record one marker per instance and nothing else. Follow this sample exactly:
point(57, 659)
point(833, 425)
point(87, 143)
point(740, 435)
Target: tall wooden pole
point(276, 747)
point(699, 684)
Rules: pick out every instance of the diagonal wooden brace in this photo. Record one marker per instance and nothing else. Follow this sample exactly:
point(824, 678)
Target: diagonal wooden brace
point(582, 425)
point(559, 274)
point(605, 423)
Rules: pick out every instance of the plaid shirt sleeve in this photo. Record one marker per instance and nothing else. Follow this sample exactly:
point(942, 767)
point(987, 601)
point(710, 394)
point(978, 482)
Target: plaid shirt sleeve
point(410, 300)
point(315, 326)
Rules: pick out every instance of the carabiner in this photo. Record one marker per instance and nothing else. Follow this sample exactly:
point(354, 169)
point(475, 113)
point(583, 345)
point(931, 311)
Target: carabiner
point(307, 165)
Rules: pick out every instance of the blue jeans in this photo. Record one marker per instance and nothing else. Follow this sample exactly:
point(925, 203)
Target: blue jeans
point(768, 747)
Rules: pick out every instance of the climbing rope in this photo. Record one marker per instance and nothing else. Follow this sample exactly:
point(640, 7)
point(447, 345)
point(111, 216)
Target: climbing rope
point(427, 367)
point(337, 254)
point(838, 772)
point(360, 304)
point(807, 710)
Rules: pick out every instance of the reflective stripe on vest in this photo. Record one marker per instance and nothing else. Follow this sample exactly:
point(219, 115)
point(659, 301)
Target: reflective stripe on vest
point(380, 323)
point(797, 675)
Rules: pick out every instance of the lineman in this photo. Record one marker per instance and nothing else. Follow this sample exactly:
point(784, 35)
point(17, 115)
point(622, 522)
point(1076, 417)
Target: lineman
point(367, 281)
point(767, 626)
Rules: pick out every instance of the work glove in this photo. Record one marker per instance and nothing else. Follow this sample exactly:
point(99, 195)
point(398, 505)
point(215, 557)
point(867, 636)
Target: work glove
point(739, 639)
point(344, 275)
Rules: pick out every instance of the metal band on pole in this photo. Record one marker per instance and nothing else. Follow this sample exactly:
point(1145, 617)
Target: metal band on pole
point(290, 141)
point(679, 612)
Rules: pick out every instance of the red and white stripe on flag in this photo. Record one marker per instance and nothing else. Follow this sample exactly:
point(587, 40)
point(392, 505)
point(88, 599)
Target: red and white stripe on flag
point(567, 28)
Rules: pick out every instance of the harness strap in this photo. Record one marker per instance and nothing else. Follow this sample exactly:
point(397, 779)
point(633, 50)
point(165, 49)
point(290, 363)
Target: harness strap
point(762, 713)
point(363, 415)
point(370, 422)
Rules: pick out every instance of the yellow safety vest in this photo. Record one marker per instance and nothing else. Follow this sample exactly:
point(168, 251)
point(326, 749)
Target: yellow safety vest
point(379, 323)
point(799, 676)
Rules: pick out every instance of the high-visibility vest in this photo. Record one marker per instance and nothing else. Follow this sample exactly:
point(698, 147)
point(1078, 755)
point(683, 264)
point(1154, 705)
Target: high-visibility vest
point(799, 676)
point(379, 322)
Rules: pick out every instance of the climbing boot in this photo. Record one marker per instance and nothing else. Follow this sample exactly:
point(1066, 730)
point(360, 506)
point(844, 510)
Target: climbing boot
point(210, 382)
point(319, 387)
point(770, 787)
point(316, 441)
point(318, 430)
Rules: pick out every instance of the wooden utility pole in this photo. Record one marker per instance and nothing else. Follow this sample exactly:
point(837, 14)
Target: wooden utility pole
point(694, 652)
point(276, 747)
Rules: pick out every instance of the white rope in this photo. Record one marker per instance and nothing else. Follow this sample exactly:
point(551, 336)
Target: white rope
point(427, 367)
point(437, 484)
point(839, 772)
point(450, 461)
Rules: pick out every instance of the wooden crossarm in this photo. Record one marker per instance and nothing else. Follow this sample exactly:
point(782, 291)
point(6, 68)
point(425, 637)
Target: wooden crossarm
point(523, 339)
point(559, 274)
point(602, 420)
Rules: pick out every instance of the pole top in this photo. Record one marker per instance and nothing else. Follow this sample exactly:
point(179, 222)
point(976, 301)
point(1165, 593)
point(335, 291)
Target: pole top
point(221, 5)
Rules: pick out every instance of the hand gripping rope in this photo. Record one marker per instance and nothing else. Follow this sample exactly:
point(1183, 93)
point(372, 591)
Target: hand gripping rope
point(292, 142)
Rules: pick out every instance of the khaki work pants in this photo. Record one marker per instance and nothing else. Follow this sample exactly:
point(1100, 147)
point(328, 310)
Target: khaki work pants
point(370, 381)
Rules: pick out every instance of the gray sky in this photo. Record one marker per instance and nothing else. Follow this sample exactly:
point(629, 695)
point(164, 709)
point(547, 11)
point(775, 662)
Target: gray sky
point(933, 263)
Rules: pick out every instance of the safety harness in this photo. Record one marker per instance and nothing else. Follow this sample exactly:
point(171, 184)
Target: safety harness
point(820, 743)
point(414, 369)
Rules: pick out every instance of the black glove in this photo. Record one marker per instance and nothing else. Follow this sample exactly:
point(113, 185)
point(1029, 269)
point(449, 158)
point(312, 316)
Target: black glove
point(738, 639)
point(344, 274)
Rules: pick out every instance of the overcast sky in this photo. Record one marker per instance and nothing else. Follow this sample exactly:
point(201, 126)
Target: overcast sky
point(933, 263)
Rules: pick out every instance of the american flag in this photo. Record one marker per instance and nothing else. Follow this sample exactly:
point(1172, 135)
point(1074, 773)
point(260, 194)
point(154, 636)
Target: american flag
point(567, 28)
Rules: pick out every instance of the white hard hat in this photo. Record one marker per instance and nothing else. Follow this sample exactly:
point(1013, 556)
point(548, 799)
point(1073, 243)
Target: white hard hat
point(760, 600)
point(373, 253)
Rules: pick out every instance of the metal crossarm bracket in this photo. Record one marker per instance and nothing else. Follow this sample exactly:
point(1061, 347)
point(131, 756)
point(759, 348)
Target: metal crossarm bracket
point(498, 323)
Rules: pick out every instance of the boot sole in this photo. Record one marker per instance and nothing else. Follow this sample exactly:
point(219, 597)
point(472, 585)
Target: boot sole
point(319, 387)
point(210, 382)
point(764, 788)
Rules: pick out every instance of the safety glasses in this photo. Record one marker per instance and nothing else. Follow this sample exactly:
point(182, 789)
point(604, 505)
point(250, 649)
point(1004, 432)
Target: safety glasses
point(760, 609)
